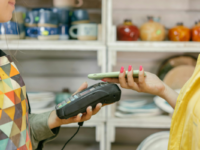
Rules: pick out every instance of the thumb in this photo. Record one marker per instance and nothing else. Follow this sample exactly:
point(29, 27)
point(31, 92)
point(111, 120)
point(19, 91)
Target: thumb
point(82, 87)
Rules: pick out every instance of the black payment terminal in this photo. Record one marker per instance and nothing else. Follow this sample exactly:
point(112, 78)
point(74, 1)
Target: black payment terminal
point(103, 92)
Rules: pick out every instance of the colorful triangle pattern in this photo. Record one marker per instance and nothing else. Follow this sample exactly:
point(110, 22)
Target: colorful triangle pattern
point(14, 127)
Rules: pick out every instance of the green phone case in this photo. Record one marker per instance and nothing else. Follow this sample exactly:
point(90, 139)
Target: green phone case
point(99, 76)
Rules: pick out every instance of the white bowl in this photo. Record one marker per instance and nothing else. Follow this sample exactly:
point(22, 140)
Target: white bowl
point(156, 141)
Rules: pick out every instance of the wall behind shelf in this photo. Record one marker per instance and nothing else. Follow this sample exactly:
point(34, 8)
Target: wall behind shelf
point(55, 70)
point(170, 11)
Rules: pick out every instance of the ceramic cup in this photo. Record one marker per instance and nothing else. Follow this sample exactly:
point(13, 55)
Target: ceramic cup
point(31, 18)
point(9, 30)
point(63, 15)
point(79, 16)
point(18, 17)
point(84, 31)
point(67, 3)
point(31, 33)
point(63, 31)
point(47, 18)
point(48, 33)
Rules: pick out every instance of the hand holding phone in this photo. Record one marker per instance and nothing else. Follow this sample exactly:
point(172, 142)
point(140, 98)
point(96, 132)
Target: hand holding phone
point(99, 76)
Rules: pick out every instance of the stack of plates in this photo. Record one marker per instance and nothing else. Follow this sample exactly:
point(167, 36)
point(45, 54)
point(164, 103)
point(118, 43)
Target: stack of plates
point(163, 104)
point(41, 101)
point(137, 108)
point(157, 141)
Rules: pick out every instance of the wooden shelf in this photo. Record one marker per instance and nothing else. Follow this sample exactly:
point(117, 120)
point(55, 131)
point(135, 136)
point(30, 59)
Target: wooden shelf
point(165, 46)
point(51, 45)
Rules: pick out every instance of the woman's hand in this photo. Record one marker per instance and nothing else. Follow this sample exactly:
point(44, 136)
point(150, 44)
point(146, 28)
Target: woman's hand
point(150, 84)
point(54, 121)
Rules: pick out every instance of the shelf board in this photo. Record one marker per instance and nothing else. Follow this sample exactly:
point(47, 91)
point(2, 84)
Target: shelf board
point(165, 46)
point(51, 45)
point(142, 122)
point(93, 122)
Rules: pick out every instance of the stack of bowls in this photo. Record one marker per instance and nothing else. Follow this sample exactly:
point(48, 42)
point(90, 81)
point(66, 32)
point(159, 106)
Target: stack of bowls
point(14, 29)
point(41, 101)
point(137, 108)
point(156, 141)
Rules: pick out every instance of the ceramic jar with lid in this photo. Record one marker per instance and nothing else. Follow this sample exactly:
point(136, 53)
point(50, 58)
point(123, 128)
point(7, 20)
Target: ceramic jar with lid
point(196, 32)
point(127, 31)
point(152, 30)
point(179, 33)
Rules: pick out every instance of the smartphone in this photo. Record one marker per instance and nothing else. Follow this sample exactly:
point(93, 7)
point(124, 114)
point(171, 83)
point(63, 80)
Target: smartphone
point(99, 76)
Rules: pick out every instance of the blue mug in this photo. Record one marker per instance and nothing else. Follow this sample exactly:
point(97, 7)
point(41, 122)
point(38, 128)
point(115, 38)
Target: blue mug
point(32, 18)
point(47, 18)
point(31, 32)
point(80, 16)
point(63, 31)
point(48, 33)
point(63, 15)
point(11, 29)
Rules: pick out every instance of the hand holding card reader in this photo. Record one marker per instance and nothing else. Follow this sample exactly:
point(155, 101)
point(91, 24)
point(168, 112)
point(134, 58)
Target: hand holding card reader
point(103, 92)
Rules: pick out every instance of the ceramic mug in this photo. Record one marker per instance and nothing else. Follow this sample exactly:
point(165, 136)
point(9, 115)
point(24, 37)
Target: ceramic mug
point(18, 17)
point(31, 32)
point(63, 15)
point(48, 33)
point(9, 30)
point(84, 31)
point(31, 18)
point(47, 18)
point(63, 31)
point(67, 3)
point(80, 16)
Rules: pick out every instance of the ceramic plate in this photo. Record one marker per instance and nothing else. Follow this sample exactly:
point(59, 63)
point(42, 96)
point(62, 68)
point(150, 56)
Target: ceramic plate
point(38, 111)
point(133, 103)
point(148, 108)
point(163, 104)
point(157, 141)
point(133, 115)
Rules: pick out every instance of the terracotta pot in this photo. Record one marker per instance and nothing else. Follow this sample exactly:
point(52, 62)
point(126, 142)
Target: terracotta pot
point(67, 3)
point(178, 76)
point(173, 62)
point(179, 33)
point(152, 30)
point(127, 32)
point(196, 32)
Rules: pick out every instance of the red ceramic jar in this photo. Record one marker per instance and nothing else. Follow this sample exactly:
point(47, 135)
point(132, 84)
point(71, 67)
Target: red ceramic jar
point(127, 32)
point(196, 32)
point(179, 33)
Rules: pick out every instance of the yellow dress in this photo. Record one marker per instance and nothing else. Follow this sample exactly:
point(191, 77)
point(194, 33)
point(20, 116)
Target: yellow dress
point(185, 127)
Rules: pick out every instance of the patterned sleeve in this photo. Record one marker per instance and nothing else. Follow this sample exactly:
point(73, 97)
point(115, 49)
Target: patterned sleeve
point(40, 131)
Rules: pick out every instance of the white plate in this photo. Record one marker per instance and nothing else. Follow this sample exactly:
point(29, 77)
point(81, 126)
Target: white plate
point(133, 103)
point(39, 105)
point(49, 108)
point(133, 115)
point(148, 108)
point(163, 104)
point(157, 141)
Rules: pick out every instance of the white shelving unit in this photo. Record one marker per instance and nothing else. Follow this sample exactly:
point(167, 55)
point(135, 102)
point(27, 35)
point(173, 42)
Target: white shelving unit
point(118, 50)
point(110, 54)
point(74, 47)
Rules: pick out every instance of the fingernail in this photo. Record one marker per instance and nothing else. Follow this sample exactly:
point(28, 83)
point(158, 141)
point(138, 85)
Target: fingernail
point(122, 69)
point(141, 68)
point(103, 80)
point(129, 68)
point(85, 82)
point(100, 105)
point(90, 108)
point(80, 115)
